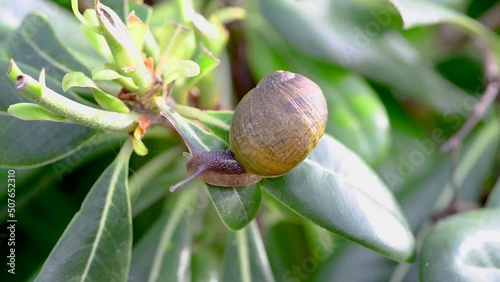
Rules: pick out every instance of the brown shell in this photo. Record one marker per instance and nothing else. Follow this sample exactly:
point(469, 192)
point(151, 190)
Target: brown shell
point(278, 124)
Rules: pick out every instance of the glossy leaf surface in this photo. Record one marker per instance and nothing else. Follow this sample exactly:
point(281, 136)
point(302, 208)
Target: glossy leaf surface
point(335, 189)
point(465, 247)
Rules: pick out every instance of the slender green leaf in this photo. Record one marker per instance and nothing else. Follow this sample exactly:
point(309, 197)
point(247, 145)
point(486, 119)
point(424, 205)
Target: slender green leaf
point(164, 252)
point(36, 142)
point(356, 116)
point(151, 181)
point(30, 111)
point(218, 122)
point(463, 247)
point(245, 258)
point(110, 102)
point(97, 243)
point(237, 206)
point(335, 189)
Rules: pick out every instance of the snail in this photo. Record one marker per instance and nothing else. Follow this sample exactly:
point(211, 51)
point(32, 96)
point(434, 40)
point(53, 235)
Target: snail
point(275, 127)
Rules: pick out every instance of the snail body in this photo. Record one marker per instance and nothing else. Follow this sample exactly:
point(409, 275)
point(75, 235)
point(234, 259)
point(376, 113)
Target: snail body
point(275, 127)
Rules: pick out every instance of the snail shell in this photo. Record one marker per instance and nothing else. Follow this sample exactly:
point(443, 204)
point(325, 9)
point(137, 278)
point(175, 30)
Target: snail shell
point(274, 128)
point(278, 124)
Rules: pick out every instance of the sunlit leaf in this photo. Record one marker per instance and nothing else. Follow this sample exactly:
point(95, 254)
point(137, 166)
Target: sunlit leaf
point(335, 189)
point(465, 246)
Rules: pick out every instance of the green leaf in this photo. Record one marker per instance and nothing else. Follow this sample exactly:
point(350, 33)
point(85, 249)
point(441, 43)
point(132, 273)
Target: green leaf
point(176, 41)
point(465, 247)
point(204, 266)
point(137, 30)
point(494, 196)
point(335, 189)
point(339, 37)
point(474, 164)
point(110, 102)
point(195, 137)
point(36, 143)
point(218, 122)
point(180, 69)
point(96, 40)
point(286, 255)
point(139, 147)
point(77, 79)
point(105, 74)
point(163, 170)
point(422, 13)
point(163, 254)
point(237, 206)
point(126, 57)
point(141, 10)
point(356, 116)
point(67, 108)
point(97, 243)
point(207, 62)
point(63, 23)
point(35, 44)
point(30, 111)
point(245, 258)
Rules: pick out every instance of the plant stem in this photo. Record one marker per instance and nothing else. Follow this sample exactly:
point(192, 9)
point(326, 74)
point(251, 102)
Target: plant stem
point(67, 108)
point(491, 92)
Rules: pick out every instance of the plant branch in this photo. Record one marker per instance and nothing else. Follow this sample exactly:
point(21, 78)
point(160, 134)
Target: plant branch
point(67, 108)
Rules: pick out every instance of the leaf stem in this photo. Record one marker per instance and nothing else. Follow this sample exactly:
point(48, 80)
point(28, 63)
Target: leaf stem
point(67, 108)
